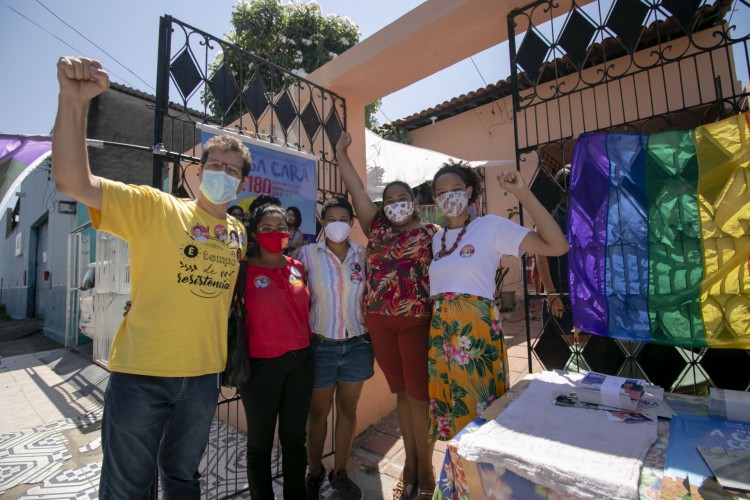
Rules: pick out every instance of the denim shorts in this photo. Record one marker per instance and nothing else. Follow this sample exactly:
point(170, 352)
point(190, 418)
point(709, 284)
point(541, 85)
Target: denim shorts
point(349, 361)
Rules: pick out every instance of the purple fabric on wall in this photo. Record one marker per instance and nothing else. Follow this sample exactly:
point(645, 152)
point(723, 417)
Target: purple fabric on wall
point(24, 148)
point(587, 233)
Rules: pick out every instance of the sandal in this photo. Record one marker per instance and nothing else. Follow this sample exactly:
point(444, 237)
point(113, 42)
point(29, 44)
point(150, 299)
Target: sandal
point(425, 494)
point(404, 491)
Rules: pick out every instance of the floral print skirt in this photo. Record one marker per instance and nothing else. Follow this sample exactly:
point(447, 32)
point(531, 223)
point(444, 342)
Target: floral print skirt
point(467, 362)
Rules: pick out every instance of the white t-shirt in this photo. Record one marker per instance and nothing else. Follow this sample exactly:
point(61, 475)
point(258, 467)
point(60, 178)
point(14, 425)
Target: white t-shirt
point(472, 265)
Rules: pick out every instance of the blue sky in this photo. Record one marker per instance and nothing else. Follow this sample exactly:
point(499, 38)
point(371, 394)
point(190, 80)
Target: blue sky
point(128, 31)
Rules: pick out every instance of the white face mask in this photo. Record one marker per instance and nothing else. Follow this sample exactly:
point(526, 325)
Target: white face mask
point(218, 186)
point(337, 231)
point(452, 203)
point(399, 211)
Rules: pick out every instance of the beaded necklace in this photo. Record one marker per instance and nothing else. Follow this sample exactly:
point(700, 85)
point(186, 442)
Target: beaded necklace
point(443, 252)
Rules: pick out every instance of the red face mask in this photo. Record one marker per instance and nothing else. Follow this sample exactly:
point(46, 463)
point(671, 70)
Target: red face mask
point(273, 241)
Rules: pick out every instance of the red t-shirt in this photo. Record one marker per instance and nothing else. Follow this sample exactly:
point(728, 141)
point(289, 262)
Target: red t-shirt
point(277, 310)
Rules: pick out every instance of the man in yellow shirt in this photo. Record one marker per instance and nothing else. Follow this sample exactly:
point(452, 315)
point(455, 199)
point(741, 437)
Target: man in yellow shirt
point(171, 346)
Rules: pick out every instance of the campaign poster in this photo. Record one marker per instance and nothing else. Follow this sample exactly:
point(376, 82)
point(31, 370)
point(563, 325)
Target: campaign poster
point(285, 173)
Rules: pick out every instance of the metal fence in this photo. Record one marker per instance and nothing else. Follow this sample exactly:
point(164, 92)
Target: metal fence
point(623, 66)
point(221, 84)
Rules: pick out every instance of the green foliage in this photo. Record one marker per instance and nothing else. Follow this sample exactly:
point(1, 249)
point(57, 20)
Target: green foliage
point(394, 133)
point(370, 121)
point(500, 275)
point(295, 36)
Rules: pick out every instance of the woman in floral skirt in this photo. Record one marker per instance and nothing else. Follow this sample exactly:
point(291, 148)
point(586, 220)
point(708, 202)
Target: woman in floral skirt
point(468, 363)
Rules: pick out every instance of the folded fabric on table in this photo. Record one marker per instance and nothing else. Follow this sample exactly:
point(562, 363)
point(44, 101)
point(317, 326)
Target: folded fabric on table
point(572, 450)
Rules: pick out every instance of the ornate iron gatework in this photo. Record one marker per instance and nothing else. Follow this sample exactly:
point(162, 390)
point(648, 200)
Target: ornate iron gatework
point(237, 90)
point(622, 66)
point(220, 84)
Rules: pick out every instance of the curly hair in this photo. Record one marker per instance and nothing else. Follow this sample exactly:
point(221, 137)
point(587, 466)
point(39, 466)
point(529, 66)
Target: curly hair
point(228, 143)
point(297, 217)
point(462, 169)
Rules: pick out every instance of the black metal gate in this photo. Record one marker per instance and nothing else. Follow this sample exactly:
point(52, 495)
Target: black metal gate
point(231, 88)
point(622, 66)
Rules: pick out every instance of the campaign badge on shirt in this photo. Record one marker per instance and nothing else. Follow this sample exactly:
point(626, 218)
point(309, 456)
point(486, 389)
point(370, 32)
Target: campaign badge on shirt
point(262, 282)
point(355, 267)
point(221, 233)
point(295, 277)
point(234, 238)
point(356, 278)
point(467, 251)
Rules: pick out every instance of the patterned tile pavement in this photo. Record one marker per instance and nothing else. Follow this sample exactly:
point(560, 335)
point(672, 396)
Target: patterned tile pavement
point(50, 444)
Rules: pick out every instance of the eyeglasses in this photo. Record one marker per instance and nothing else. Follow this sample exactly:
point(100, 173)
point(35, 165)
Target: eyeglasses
point(268, 228)
point(217, 166)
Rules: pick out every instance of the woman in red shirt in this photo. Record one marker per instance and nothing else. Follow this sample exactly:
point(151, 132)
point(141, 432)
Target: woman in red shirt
point(278, 333)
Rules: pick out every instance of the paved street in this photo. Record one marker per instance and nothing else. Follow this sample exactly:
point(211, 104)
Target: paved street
point(52, 399)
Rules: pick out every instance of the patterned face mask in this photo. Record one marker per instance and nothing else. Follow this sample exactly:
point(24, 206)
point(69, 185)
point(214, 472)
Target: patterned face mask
point(399, 211)
point(452, 203)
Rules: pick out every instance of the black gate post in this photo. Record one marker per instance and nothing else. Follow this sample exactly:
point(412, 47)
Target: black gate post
point(162, 96)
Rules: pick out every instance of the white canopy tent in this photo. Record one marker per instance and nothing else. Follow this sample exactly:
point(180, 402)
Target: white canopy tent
point(389, 161)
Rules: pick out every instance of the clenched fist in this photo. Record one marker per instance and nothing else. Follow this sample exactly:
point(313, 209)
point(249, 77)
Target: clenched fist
point(81, 79)
point(511, 182)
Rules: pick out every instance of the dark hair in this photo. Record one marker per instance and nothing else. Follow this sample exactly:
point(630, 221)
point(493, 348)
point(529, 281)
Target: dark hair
point(465, 172)
point(264, 210)
point(261, 200)
point(235, 207)
point(253, 249)
point(381, 212)
point(402, 184)
point(297, 217)
point(337, 202)
point(228, 143)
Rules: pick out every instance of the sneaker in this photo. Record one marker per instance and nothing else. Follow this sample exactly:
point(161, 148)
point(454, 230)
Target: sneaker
point(313, 482)
point(344, 486)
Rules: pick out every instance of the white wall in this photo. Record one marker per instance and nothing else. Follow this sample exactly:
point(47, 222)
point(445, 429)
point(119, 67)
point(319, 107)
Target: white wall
point(39, 203)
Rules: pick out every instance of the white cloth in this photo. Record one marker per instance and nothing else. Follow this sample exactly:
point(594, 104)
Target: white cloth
point(572, 450)
point(471, 267)
point(393, 161)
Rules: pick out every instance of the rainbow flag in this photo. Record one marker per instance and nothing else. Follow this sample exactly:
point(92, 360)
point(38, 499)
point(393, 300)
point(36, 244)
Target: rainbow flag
point(659, 230)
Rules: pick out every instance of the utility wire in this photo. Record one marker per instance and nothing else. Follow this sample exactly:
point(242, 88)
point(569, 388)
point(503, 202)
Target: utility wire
point(494, 103)
point(40, 27)
point(95, 45)
point(386, 116)
point(77, 51)
point(472, 62)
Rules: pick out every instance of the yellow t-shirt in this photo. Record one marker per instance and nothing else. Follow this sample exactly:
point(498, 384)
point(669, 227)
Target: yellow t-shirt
point(183, 266)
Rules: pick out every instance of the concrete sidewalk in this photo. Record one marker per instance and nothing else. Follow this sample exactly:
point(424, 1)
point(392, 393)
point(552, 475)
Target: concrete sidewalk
point(49, 429)
point(50, 421)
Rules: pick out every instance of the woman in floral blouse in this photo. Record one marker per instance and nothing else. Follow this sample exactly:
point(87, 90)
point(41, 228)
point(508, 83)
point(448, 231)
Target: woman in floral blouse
point(397, 311)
